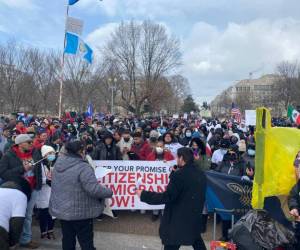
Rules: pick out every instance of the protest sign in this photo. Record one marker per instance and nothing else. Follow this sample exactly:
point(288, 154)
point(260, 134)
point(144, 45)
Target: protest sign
point(123, 177)
point(250, 117)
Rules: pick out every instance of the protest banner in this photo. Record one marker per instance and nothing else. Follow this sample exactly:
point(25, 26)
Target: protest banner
point(123, 177)
point(250, 117)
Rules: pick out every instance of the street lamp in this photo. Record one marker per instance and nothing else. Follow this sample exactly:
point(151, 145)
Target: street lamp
point(112, 87)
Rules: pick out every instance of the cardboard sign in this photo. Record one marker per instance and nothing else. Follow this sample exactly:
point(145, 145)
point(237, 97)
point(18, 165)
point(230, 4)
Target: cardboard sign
point(124, 177)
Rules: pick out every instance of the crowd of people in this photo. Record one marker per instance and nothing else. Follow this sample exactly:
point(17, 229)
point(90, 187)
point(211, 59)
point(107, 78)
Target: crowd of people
point(50, 155)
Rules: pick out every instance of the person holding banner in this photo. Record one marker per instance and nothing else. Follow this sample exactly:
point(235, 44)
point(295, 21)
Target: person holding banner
point(184, 200)
point(159, 154)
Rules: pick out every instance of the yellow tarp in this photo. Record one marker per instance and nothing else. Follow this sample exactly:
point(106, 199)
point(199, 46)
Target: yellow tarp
point(276, 149)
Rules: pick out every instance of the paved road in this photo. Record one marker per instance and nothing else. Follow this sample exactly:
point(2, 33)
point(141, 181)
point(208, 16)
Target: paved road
point(109, 241)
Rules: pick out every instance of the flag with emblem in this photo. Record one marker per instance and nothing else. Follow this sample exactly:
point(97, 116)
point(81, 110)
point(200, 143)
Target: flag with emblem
point(294, 115)
point(76, 46)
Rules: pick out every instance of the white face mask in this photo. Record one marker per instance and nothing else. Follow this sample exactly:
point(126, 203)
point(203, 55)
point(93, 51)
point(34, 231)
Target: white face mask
point(251, 152)
point(223, 151)
point(159, 150)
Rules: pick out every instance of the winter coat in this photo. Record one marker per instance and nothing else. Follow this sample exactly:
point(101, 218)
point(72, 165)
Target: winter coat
point(43, 195)
point(103, 153)
point(11, 166)
point(166, 157)
point(141, 150)
point(184, 199)
point(76, 193)
point(236, 168)
point(294, 197)
point(122, 144)
point(173, 147)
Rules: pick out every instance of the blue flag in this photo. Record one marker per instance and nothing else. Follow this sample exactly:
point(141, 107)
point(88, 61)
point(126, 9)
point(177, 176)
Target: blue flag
point(76, 46)
point(90, 110)
point(71, 2)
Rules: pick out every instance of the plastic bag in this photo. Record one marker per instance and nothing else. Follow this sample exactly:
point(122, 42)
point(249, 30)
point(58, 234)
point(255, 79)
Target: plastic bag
point(265, 232)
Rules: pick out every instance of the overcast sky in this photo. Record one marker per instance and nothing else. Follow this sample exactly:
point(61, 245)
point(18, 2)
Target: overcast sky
point(221, 40)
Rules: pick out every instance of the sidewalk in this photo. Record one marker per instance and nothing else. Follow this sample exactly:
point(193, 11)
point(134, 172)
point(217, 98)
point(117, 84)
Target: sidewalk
point(109, 241)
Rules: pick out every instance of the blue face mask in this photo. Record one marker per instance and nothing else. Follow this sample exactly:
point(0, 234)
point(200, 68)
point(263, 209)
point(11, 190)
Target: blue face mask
point(51, 158)
point(251, 152)
point(163, 130)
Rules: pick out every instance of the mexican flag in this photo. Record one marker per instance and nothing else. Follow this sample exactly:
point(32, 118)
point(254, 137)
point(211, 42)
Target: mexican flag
point(294, 115)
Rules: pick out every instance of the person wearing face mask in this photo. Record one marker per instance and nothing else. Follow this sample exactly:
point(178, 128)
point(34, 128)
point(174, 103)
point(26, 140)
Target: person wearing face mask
point(249, 159)
point(21, 161)
point(218, 155)
point(43, 195)
point(125, 144)
point(187, 137)
point(107, 150)
point(159, 154)
point(171, 144)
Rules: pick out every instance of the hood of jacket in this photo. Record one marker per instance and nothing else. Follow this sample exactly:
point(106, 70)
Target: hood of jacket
point(65, 162)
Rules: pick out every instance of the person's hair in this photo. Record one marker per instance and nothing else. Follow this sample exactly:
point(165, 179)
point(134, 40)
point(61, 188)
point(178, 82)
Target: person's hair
point(200, 144)
point(186, 154)
point(137, 134)
point(74, 147)
point(20, 184)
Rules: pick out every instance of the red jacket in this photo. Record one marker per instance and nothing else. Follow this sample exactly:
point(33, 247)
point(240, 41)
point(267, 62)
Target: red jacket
point(167, 156)
point(142, 151)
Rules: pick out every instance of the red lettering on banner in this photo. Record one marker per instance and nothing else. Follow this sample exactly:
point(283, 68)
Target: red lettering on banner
point(131, 178)
point(117, 189)
point(132, 201)
point(122, 178)
point(150, 178)
point(160, 189)
point(131, 189)
point(122, 201)
point(158, 178)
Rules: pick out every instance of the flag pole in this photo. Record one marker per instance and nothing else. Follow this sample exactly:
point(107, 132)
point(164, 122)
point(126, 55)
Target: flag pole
point(61, 79)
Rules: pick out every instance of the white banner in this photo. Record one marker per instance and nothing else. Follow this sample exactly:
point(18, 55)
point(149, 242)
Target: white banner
point(124, 177)
point(250, 117)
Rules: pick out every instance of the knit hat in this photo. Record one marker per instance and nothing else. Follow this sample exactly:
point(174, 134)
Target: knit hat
point(22, 138)
point(46, 150)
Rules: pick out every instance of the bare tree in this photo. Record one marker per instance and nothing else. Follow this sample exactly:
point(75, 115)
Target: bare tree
point(145, 54)
point(288, 85)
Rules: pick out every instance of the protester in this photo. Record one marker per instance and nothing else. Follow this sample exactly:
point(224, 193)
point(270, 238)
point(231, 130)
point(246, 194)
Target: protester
point(171, 144)
point(159, 153)
point(218, 155)
point(107, 150)
point(4, 137)
point(184, 199)
point(41, 138)
point(185, 141)
point(140, 148)
point(19, 162)
point(43, 195)
point(76, 197)
point(199, 151)
point(14, 196)
point(125, 144)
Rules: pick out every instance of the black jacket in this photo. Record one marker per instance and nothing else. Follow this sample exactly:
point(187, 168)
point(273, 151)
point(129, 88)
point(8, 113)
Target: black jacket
point(103, 153)
point(11, 166)
point(184, 199)
point(294, 197)
point(236, 169)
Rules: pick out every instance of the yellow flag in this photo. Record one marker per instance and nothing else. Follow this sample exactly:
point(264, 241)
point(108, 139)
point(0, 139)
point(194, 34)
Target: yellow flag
point(276, 149)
